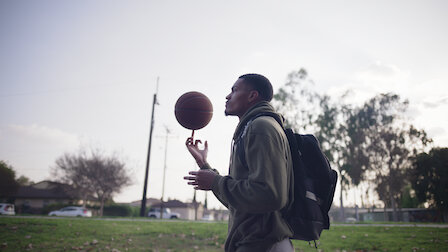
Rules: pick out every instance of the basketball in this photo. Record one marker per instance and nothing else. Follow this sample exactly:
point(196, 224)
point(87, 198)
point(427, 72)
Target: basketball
point(193, 110)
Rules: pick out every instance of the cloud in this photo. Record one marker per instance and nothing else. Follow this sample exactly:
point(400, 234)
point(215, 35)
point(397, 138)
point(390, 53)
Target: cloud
point(32, 149)
point(379, 77)
point(378, 69)
point(38, 134)
point(437, 131)
point(436, 103)
point(373, 79)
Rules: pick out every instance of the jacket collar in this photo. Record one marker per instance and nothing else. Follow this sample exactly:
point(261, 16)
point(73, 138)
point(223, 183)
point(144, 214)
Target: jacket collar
point(261, 107)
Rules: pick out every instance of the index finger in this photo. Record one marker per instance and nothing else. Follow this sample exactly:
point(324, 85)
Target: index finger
point(193, 173)
point(189, 141)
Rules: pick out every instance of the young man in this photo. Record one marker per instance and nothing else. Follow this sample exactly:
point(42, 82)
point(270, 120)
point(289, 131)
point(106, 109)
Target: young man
point(259, 185)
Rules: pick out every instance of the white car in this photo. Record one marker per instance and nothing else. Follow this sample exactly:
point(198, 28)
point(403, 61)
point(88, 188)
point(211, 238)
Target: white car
point(72, 211)
point(7, 209)
point(208, 217)
point(167, 214)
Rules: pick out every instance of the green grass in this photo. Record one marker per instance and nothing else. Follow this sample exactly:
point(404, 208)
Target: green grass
point(374, 238)
point(72, 234)
point(82, 234)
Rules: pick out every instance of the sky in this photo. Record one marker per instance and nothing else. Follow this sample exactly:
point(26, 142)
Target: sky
point(82, 74)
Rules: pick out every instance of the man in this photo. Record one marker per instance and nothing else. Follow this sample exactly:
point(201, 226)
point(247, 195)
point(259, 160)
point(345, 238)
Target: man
point(259, 184)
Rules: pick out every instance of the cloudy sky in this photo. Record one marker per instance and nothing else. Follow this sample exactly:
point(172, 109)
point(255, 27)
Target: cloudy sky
point(82, 74)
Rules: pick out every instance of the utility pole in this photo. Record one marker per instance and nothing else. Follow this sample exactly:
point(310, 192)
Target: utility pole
point(154, 103)
point(195, 202)
point(195, 206)
point(164, 171)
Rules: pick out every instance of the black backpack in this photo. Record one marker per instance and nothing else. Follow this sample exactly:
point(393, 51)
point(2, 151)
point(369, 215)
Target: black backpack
point(314, 184)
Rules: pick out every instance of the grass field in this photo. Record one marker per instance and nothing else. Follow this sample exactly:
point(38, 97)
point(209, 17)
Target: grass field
point(81, 234)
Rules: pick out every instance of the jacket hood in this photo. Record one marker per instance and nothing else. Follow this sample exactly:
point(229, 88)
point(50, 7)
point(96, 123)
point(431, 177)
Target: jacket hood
point(261, 107)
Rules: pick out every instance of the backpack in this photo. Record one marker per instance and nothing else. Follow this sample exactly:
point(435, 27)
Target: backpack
point(314, 184)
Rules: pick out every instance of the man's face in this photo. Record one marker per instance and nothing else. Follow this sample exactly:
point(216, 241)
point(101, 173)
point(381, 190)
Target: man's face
point(238, 101)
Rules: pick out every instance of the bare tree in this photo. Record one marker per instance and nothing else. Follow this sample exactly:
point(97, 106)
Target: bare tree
point(93, 174)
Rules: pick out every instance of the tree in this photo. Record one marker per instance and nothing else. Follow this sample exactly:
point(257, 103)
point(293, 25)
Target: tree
point(24, 181)
point(409, 199)
point(429, 177)
point(297, 101)
point(93, 174)
point(389, 143)
point(8, 183)
point(369, 143)
point(306, 110)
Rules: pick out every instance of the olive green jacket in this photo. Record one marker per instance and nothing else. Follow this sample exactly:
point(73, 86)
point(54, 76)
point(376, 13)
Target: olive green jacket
point(255, 194)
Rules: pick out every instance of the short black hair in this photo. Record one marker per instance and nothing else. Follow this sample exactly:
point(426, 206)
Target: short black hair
point(260, 83)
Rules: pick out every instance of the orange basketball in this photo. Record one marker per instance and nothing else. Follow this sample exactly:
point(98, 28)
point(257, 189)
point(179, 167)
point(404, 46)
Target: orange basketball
point(193, 110)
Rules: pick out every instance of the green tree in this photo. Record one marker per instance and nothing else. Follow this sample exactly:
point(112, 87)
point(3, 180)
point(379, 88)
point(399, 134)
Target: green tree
point(305, 110)
point(354, 156)
point(372, 142)
point(331, 130)
point(429, 178)
point(297, 101)
point(8, 183)
point(93, 174)
point(389, 143)
point(24, 181)
point(409, 199)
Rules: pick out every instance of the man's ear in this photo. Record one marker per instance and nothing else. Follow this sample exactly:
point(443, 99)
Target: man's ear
point(253, 95)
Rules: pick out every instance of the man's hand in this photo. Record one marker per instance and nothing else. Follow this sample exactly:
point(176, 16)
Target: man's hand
point(199, 155)
point(202, 179)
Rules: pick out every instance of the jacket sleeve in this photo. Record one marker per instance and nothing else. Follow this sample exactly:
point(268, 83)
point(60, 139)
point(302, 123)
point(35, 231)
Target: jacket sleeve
point(266, 187)
point(217, 177)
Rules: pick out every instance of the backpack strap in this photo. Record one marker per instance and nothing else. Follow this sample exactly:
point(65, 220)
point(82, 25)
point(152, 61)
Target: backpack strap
point(240, 141)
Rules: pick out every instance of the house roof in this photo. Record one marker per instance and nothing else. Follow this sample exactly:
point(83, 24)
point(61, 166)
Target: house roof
point(46, 190)
point(176, 204)
point(172, 204)
point(149, 201)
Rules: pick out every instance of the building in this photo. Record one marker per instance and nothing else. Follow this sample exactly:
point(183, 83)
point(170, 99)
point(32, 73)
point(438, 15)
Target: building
point(34, 198)
point(216, 214)
point(353, 214)
point(149, 202)
point(404, 214)
point(187, 211)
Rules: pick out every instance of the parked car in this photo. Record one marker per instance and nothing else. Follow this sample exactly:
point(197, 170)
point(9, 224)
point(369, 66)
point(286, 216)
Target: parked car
point(7, 209)
point(167, 214)
point(350, 220)
point(72, 211)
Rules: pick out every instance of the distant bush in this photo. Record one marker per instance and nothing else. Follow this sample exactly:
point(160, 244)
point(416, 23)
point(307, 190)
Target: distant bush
point(117, 210)
point(135, 211)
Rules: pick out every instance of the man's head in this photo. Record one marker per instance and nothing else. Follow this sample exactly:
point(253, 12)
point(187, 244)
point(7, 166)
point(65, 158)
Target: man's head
point(260, 84)
point(247, 91)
